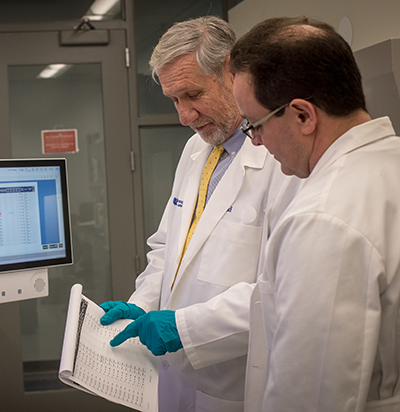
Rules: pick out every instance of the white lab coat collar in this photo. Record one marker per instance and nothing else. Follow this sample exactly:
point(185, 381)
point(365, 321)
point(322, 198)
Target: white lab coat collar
point(354, 138)
point(250, 155)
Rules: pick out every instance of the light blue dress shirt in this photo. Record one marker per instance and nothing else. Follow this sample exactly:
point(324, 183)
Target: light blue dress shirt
point(232, 147)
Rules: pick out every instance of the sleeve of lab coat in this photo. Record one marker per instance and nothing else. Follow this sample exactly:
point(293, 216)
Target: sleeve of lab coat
point(217, 330)
point(320, 294)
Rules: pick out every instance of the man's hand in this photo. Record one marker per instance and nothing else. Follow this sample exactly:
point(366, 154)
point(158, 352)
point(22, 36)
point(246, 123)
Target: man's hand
point(119, 310)
point(156, 329)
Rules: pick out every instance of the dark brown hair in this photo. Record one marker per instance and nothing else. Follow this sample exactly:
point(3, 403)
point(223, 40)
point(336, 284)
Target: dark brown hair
point(290, 58)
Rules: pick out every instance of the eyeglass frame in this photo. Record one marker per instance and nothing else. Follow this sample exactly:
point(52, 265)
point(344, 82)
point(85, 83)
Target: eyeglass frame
point(246, 128)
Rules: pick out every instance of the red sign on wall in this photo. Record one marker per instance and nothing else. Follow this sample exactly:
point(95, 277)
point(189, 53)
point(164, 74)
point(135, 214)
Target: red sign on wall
point(60, 141)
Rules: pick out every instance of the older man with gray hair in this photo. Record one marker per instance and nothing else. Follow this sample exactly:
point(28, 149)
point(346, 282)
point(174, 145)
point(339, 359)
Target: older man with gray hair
point(192, 301)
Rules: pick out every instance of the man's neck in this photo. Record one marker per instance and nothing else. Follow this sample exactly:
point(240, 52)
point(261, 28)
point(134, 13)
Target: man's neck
point(330, 128)
point(235, 125)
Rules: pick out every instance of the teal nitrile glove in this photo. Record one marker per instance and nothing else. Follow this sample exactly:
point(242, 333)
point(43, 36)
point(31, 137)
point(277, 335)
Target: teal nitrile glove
point(119, 310)
point(156, 329)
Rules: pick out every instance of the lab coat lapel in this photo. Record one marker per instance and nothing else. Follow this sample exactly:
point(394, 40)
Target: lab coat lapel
point(223, 198)
point(191, 191)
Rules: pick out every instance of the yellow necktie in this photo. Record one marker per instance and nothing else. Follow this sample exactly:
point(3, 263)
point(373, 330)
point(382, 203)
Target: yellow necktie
point(201, 200)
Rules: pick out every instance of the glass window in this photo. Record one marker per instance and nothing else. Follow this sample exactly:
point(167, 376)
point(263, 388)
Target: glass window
point(161, 148)
point(152, 19)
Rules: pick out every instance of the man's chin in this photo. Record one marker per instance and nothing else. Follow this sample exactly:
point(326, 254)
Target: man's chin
point(212, 134)
point(290, 172)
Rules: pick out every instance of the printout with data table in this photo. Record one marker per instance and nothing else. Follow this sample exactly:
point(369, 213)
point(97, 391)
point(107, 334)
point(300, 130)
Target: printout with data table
point(126, 374)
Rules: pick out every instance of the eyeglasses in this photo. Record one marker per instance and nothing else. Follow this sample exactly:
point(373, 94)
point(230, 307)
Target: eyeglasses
point(248, 129)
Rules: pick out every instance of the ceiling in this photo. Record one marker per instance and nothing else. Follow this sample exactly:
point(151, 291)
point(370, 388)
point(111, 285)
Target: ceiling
point(28, 11)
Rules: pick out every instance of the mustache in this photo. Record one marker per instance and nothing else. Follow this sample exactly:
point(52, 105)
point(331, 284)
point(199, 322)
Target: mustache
point(200, 123)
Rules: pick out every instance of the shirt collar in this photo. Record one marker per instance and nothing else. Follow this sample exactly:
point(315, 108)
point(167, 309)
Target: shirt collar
point(233, 144)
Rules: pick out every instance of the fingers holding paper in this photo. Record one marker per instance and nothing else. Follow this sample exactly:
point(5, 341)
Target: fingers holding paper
point(119, 310)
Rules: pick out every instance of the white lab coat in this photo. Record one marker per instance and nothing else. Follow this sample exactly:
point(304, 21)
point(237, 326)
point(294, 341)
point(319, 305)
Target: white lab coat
point(330, 287)
point(216, 277)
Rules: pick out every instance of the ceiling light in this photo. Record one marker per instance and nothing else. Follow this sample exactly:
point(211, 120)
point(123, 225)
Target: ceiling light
point(53, 70)
point(101, 7)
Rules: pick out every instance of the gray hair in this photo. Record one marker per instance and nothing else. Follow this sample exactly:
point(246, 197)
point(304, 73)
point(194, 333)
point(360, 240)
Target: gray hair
point(210, 37)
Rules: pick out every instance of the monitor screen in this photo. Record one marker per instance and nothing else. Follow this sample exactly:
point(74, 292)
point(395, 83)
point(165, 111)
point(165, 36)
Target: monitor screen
point(34, 214)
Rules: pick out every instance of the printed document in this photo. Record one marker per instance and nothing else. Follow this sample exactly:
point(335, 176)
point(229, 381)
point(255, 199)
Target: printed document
point(126, 374)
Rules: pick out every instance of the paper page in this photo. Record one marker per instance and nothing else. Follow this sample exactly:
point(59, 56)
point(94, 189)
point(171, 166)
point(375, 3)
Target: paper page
point(126, 374)
point(70, 335)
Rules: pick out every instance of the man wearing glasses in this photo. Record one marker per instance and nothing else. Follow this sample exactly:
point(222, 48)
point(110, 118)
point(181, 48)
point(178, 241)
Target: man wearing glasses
point(250, 129)
point(192, 301)
point(325, 334)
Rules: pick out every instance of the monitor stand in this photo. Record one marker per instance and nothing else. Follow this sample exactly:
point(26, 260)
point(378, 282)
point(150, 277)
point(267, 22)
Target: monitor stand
point(21, 285)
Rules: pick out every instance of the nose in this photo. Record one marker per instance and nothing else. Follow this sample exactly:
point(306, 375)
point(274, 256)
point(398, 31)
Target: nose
point(187, 113)
point(256, 140)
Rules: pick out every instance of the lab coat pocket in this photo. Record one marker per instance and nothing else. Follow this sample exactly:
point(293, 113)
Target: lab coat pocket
point(241, 243)
point(207, 403)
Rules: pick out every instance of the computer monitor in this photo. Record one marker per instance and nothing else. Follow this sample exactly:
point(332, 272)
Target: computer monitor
point(34, 220)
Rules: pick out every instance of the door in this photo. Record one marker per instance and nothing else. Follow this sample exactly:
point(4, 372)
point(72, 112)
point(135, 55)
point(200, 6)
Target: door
point(89, 95)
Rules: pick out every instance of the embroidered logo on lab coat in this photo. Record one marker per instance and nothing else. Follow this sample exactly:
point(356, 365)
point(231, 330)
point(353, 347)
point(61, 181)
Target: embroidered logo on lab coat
point(178, 202)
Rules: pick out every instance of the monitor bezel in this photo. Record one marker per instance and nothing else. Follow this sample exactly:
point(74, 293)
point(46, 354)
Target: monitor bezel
point(45, 263)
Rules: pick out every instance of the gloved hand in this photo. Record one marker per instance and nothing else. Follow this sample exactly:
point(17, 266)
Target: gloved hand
point(156, 329)
point(119, 310)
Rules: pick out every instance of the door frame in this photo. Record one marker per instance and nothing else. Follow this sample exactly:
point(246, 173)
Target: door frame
point(31, 48)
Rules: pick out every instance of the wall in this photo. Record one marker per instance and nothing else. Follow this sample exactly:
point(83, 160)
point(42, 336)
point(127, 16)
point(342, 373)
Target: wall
point(373, 21)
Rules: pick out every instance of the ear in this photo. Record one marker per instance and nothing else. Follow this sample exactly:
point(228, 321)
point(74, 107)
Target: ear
point(228, 75)
point(306, 115)
point(227, 62)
